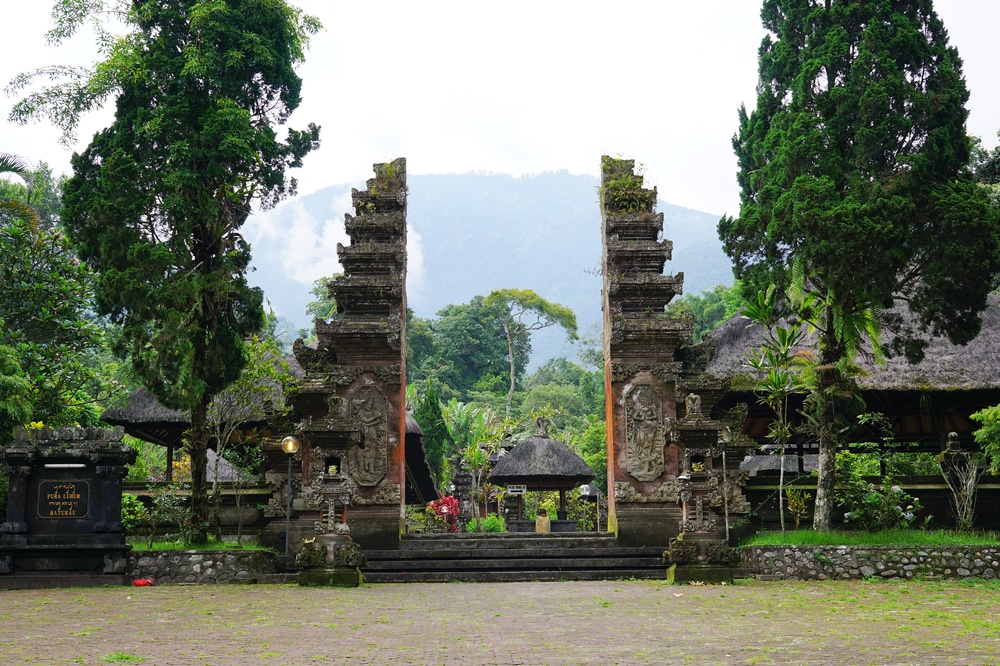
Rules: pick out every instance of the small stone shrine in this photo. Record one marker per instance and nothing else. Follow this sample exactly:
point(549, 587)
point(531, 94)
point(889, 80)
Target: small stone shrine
point(350, 406)
point(64, 507)
point(666, 463)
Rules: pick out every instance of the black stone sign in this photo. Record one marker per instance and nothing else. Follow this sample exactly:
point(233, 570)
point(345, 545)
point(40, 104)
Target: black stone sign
point(63, 499)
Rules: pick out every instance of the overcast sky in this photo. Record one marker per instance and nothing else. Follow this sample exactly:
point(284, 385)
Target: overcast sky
point(519, 87)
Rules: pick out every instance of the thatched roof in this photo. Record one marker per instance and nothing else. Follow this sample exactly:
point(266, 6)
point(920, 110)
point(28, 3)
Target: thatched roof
point(143, 407)
point(542, 463)
point(420, 486)
point(946, 367)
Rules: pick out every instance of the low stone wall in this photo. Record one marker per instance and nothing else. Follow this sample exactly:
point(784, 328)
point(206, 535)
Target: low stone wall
point(856, 562)
point(199, 566)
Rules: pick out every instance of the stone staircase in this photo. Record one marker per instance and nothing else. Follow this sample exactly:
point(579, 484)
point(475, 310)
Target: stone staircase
point(427, 558)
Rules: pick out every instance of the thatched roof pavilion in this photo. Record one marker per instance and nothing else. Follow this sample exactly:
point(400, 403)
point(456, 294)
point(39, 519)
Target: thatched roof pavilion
point(924, 401)
point(146, 419)
point(143, 417)
point(542, 463)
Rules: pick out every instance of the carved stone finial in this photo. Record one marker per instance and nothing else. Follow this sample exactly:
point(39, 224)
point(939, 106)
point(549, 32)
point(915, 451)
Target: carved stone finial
point(953, 443)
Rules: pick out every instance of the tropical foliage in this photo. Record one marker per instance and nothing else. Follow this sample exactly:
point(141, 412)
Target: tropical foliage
point(856, 192)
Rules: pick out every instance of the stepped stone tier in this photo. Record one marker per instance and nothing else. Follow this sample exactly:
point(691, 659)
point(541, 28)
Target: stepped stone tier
point(350, 405)
point(666, 462)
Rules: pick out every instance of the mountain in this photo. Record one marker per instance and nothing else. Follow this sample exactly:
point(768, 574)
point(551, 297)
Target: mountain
point(472, 233)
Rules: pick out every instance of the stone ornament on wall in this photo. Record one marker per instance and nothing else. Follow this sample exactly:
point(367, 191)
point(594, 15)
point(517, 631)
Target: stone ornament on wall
point(645, 432)
point(667, 493)
point(369, 459)
point(389, 494)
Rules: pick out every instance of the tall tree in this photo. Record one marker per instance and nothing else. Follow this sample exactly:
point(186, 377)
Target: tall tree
point(157, 199)
point(468, 345)
point(39, 191)
point(45, 298)
point(854, 173)
point(520, 312)
point(324, 307)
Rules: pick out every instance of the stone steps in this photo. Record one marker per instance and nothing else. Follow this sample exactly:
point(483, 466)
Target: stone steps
point(511, 557)
point(526, 576)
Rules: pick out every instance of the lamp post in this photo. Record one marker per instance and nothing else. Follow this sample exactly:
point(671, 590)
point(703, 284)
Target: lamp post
point(289, 445)
point(585, 491)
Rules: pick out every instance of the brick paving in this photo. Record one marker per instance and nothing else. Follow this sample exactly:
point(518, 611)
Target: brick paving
point(624, 622)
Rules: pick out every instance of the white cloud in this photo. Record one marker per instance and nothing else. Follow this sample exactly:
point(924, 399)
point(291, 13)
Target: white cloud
point(416, 276)
point(522, 87)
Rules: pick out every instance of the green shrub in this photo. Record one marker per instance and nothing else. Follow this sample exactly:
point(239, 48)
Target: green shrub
point(878, 508)
point(134, 514)
point(492, 522)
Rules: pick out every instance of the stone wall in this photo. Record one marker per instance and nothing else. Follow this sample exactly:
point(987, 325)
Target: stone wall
point(856, 562)
point(198, 566)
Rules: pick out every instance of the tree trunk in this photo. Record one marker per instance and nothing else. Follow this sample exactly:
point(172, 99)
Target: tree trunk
point(197, 448)
point(823, 508)
point(781, 490)
point(510, 355)
point(829, 381)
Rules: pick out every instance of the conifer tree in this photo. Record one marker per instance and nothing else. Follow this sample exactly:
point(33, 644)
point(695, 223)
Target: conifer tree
point(157, 199)
point(436, 441)
point(856, 193)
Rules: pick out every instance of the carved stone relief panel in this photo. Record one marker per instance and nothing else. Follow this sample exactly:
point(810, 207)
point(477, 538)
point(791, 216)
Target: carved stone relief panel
point(645, 432)
point(368, 460)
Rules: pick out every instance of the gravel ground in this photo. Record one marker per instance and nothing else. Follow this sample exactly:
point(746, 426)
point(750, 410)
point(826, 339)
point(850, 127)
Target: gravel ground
point(623, 622)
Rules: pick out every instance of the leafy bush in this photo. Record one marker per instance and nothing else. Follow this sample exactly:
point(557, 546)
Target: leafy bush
point(446, 508)
point(134, 513)
point(423, 520)
point(492, 522)
point(878, 508)
point(170, 504)
point(797, 499)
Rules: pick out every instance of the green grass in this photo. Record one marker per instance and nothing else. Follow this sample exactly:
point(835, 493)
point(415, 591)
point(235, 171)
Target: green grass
point(213, 545)
point(889, 538)
point(122, 658)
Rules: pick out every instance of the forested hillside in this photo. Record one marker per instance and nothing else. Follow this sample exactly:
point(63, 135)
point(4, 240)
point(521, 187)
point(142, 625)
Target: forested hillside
point(473, 233)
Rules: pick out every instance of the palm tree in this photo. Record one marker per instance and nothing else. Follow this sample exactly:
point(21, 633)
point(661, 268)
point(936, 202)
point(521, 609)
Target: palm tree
point(21, 210)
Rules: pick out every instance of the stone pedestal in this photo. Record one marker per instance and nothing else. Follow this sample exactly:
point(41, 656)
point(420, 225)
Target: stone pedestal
point(64, 504)
point(332, 560)
point(700, 557)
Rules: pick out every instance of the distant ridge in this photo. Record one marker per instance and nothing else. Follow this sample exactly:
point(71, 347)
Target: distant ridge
point(475, 232)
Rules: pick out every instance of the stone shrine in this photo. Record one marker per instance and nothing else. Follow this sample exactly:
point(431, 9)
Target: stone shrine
point(64, 506)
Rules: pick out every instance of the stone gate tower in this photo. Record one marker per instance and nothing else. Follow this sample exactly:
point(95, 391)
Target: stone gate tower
point(666, 467)
point(351, 404)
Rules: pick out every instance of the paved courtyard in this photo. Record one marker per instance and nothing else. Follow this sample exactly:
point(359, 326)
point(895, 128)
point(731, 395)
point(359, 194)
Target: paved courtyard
point(626, 622)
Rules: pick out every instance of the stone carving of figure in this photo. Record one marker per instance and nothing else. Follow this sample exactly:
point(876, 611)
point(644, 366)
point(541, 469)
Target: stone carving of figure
point(369, 459)
point(645, 434)
point(692, 405)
